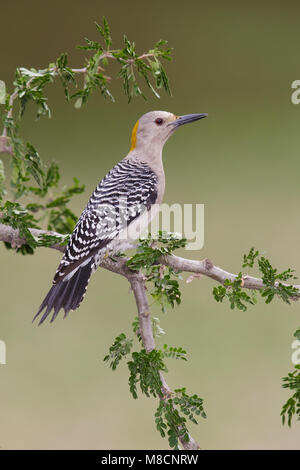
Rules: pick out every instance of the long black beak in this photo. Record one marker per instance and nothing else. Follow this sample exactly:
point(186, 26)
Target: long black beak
point(186, 119)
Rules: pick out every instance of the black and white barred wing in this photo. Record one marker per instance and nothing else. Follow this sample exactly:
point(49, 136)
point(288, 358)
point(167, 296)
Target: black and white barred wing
point(121, 197)
point(91, 234)
point(127, 191)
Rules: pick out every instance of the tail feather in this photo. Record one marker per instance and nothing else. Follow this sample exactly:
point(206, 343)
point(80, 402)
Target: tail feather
point(71, 295)
point(66, 294)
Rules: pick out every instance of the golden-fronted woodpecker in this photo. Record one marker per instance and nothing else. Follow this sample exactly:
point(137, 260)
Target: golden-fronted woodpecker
point(122, 205)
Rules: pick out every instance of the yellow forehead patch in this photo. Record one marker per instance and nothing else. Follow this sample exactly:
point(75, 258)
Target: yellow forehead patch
point(133, 136)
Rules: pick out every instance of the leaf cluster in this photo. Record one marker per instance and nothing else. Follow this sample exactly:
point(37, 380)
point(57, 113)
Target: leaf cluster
point(174, 408)
point(133, 66)
point(233, 291)
point(146, 259)
point(120, 348)
point(174, 353)
point(272, 281)
point(274, 284)
point(173, 412)
point(292, 406)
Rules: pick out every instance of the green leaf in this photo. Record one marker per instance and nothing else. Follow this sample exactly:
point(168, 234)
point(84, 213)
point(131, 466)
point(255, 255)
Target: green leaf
point(13, 214)
point(145, 370)
point(250, 258)
point(52, 176)
point(120, 348)
point(270, 277)
point(166, 289)
point(292, 406)
point(105, 31)
point(34, 165)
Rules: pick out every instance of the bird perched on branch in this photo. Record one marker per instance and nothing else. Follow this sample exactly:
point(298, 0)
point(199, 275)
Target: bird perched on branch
point(120, 208)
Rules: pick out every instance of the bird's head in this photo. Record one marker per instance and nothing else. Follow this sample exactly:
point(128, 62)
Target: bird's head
point(153, 129)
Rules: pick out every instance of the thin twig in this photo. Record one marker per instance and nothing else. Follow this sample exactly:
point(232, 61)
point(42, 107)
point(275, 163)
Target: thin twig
point(4, 140)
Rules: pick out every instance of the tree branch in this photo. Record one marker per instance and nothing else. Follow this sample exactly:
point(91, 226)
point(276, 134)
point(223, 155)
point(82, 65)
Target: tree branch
point(207, 268)
point(204, 267)
point(12, 236)
point(137, 282)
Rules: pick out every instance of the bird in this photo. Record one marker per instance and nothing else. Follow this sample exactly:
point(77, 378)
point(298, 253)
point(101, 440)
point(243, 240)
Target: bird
point(121, 207)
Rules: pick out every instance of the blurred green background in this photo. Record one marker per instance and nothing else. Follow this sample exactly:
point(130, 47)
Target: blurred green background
point(234, 61)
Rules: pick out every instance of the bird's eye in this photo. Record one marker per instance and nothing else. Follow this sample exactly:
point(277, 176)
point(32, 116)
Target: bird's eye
point(159, 121)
